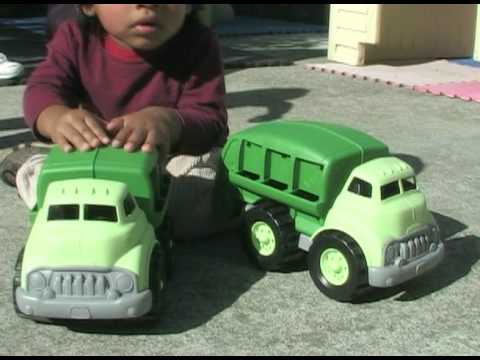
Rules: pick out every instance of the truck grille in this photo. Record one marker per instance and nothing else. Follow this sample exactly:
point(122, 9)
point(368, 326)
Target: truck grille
point(80, 284)
point(413, 246)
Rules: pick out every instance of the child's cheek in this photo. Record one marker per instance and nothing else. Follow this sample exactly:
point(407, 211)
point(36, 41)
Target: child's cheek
point(113, 17)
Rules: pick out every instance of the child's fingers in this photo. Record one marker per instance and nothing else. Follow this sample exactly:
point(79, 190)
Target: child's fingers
point(135, 139)
point(72, 136)
point(150, 142)
point(115, 125)
point(85, 132)
point(97, 129)
point(121, 137)
point(62, 142)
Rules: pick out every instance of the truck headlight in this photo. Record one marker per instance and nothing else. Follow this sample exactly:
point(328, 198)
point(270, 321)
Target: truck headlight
point(124, 284)
point(392, 253)
point(37, 282)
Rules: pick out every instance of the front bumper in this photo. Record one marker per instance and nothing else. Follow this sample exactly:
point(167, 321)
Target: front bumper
point(389, 276)
point(126, 307)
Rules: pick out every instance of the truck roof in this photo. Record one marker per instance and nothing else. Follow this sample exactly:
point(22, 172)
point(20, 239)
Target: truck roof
point(107, 163)
point(314, 141)
point(384, 170)
point(102, 192)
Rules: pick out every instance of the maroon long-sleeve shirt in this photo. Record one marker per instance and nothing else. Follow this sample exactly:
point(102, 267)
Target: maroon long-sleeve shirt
point(185, 74)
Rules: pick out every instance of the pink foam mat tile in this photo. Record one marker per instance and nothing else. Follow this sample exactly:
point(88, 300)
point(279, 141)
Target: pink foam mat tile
point(465, 90)
point(407, 73)
point(438, 77)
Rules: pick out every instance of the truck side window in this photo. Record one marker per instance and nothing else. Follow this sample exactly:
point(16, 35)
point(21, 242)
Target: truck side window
point(63, 212)
point(360, 187)
point(389, 190)
point(129, 205)
point(409, 184)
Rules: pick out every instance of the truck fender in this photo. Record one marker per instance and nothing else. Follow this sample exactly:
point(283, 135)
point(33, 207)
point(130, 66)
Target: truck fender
point(366, 239)
point(137, 259)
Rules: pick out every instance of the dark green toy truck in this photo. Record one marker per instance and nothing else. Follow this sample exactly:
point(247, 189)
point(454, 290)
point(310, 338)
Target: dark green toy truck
point(337, 194)
point(96, 249)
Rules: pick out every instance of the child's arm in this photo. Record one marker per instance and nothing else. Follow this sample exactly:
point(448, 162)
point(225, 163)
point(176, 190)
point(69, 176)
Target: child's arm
point(51, 99)
point(202, 107)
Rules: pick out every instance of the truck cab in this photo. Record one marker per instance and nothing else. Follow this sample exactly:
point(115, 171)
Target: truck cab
point(93, 250)
point(382, 208)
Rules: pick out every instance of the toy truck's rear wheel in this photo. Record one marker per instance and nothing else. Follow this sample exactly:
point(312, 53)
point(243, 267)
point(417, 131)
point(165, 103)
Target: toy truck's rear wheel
point(158, 280)
point(271, 240)
point(337, 266)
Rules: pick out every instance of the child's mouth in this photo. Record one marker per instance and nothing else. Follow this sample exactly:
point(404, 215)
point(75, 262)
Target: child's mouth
point(145, 28)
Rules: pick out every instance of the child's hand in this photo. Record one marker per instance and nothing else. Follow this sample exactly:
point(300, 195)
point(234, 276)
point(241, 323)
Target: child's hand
point(72, 128)
point(146, 129)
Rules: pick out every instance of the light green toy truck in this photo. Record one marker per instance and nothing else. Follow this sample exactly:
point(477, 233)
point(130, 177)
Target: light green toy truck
point(96, 249)
point(337, 194)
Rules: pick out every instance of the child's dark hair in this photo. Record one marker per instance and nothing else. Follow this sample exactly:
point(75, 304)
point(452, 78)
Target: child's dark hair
point(88, 24)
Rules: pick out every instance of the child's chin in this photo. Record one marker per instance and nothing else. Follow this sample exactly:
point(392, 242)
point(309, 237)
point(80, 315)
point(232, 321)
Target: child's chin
point(147, 45)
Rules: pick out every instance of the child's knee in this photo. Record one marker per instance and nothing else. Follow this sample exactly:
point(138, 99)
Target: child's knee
point(201, 199)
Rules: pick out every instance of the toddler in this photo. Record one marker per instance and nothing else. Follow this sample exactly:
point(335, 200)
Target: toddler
point(137, 77)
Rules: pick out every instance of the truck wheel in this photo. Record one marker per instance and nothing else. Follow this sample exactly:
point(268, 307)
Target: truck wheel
point(271, 239)
point(17, 282)
point(17, 278)
point(164, 237)
point(158, 280)
point(337, 266)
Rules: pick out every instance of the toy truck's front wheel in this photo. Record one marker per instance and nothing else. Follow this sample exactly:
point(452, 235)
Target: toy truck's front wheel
point(16, 284)
point(158, 279)
point(337, 266)
point(271, 239)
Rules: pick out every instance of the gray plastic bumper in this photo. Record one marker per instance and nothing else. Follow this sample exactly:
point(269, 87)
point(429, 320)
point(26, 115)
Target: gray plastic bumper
point(126, 307)
point(393, 275)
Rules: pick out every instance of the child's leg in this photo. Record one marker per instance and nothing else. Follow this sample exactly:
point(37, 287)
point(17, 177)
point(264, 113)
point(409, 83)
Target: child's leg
point(19, 155)
point(202, 202)
point(27, 179)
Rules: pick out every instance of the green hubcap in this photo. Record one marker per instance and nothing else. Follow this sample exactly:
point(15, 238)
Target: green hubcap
point(263, 238)
point(334, 267)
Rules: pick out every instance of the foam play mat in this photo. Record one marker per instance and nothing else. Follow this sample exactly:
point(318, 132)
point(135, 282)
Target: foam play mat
point(439, 77)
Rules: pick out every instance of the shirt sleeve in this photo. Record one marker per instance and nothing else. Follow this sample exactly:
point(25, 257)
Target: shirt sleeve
point(201, 107)
point(55, 81)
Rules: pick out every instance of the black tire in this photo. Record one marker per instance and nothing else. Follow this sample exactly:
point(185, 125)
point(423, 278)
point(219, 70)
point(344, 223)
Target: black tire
point(279, 221)
point(167, 242)
point(357, 279)
point(158, 280)
point(17, 278)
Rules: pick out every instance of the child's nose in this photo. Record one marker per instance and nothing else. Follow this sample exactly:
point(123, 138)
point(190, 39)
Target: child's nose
point(150, 6)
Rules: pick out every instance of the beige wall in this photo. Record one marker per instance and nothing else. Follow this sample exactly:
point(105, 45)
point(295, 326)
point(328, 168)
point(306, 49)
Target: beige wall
point(401, 31)
point(476, 51)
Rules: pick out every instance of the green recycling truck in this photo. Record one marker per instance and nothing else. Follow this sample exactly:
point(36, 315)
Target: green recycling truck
point(338, 194)
point(97, 248)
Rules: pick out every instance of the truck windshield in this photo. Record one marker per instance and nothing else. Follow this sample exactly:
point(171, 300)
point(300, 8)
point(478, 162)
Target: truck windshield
point(101, 213)
point(389, 190)
point(63, 212)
